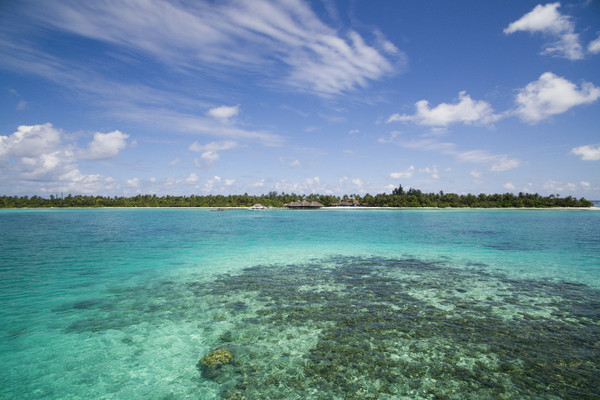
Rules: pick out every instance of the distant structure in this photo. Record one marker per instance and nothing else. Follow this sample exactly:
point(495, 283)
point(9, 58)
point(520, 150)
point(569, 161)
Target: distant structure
point(304, 205)
point(258, 206)
point(348, 202)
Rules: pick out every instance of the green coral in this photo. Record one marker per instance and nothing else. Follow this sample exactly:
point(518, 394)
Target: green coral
point(211, 363)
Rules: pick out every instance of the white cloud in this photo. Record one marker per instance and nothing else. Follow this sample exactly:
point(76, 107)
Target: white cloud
point(391, 138)
point(550, 95)
point(476, 174)
point(407, 174)
point(210, 183)
point(105, 145)
point(546, 19)
point(289, 161)
point(214, 146)
point(175, 161)
point(224, 113)
point(260, 183)
point(433, 171)
point(36, 158)
point(594, 46)
point(216, 184)
point(496, 162)
point(311, 185)
point(588, 152)
point(467, 111)
point(359, 183)
point(274, 38)
point(30, 141)
point(569, 187)
point(210, 157)
point(192, 178)
point(210, 150)
point(509, 186)
point(135, 182)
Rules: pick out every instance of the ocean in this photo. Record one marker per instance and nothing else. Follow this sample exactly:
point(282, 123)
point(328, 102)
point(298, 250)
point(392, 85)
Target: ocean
point(299, 304)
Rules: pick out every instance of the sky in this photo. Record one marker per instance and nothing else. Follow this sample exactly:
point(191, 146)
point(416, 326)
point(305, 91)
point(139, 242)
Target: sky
point(122, 97)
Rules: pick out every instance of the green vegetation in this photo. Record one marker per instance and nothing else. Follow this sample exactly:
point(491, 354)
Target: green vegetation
point(398, 198)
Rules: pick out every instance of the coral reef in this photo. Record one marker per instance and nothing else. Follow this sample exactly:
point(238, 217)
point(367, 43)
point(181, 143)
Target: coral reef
point(211, 363)
point(375, 328)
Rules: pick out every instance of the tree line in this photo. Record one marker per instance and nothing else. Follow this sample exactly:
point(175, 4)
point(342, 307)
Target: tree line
point(398, 198)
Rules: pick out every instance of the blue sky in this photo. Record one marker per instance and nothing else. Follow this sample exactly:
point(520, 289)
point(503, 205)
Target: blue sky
point(216, 97)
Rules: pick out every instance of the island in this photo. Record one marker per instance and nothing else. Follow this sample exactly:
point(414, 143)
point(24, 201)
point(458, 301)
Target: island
point(398, 198)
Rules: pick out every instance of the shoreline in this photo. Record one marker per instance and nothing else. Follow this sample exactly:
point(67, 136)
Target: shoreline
point(319, 209)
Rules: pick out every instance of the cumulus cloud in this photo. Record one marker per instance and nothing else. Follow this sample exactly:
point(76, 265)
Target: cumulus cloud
point(210, 150)
point(359, 184)
point(134, 182)
point(509, 186)
point(37, 157)
point(105, 145)
point(192, 178)
point(30, 141)
point(588, 152)
point(476, 174)
point(466, 110)
point(433, 172)
point(406, 174)
point(551, 95)
point(558, 186)
point(259, 183)
point(224, 113)
point(546, 19)
point(308, 185)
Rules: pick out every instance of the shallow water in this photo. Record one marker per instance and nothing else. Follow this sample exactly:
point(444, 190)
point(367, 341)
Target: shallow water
point(340, 304)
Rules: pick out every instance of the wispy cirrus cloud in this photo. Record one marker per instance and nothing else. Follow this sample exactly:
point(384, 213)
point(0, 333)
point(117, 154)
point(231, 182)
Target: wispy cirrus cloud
point(261, 36)
point(495, 162)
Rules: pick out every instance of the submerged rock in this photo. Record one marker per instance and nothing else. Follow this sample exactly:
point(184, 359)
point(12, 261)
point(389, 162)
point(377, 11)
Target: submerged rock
point(211, 363)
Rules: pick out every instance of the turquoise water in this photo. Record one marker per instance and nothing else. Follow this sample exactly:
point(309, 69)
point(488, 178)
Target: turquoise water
point(329, 304)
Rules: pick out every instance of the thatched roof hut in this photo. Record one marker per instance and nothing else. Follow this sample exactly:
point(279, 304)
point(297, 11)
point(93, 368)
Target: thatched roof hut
point(304, 204)
point(349, 202)
point(258, 206)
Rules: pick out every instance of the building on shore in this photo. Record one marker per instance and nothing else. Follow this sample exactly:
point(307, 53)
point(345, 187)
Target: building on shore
point(348, 202)
point(304, 205)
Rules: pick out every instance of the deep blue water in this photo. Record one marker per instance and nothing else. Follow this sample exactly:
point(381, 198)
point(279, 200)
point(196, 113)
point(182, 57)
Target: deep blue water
point(382, 304)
